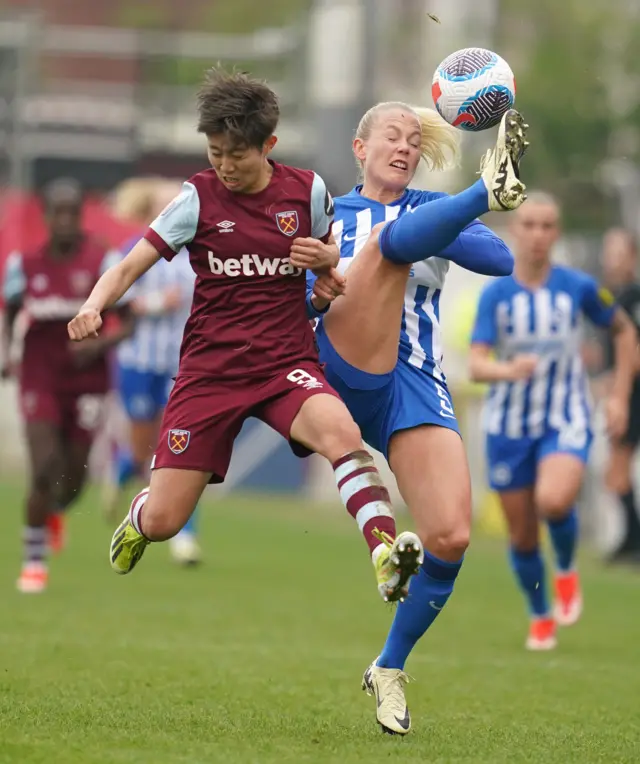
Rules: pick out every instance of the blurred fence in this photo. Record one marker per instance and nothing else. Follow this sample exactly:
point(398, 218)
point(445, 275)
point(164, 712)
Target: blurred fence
point(106, 102)
point(103, 99)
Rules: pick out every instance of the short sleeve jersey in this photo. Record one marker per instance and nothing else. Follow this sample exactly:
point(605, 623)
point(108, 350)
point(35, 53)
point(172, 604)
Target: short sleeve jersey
point(248, 315)
point(51, 291)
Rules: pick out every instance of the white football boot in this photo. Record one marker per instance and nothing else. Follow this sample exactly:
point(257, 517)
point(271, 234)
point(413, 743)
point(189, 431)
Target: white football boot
point(500, 166)
point(387, 685)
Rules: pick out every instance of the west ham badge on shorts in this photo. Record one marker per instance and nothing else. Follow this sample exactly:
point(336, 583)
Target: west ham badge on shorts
point(287, 222)
point(179, 441)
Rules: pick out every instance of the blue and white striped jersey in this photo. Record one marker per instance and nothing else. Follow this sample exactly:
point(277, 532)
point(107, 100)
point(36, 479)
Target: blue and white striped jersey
point(547, 322)
point(420, 337)
point(155, 343)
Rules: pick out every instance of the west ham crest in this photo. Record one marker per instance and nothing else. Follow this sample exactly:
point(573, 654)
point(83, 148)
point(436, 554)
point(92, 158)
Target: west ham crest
point(287, 222)
point(179, 441)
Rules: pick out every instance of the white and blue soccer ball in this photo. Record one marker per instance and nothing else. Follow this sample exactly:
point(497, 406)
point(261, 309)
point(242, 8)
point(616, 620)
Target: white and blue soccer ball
point(473, 88)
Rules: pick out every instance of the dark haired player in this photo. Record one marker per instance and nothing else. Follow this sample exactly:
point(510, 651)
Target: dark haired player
point(248, 347)
point(620, 263)
point(62, 386)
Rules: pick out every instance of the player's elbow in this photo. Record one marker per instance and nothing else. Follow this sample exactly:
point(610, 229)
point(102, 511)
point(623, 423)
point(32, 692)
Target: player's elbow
point(474, 373)
point(475, 366)
point(501, 261)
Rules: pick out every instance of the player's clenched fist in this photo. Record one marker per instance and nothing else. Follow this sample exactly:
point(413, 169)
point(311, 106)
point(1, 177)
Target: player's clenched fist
point(86, 324)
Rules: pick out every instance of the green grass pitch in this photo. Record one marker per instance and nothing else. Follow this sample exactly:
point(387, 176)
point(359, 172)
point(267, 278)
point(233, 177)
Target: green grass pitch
point(257, 656)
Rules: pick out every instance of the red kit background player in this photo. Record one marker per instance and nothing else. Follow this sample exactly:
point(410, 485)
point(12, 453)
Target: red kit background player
point(62, 385)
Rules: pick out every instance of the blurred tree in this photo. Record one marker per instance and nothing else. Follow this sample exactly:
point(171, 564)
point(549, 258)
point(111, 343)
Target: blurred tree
point(577, 73)
point(246, 15)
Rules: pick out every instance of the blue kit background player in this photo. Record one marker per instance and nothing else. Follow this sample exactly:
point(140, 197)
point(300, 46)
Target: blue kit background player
point(537, 416)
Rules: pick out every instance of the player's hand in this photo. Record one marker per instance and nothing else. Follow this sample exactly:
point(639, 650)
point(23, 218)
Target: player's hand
point(617, 415)
point(522, 366)
point(86, 324)
point(329, 285)
point(313, 254)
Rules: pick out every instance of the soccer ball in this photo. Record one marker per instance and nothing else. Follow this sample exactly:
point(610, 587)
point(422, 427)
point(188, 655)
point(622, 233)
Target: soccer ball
point(472, 88)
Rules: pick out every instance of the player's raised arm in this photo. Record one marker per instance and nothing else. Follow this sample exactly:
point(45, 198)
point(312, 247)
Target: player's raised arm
point(479, 250)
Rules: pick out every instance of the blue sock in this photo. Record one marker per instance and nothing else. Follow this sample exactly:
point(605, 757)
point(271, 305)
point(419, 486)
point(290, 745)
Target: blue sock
point(127, 468)
point(564, 537)
point(190, 525)
point(432, 226)
point(529, 570)
point(428, 594)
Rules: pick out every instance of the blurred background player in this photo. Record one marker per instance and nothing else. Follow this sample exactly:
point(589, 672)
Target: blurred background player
point(147, 361)
point(386, 363)
point(538, 413)
point(248, 349)
point(619, 267)
point(62, 385)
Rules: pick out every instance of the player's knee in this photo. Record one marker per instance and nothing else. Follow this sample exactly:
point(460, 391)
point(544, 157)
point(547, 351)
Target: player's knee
point(41, 481)
point(553, 505)
point(341, 438)
point(449, 543)
point(159, 521)
point(45, 476)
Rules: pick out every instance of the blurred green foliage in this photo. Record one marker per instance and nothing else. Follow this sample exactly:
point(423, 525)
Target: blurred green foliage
point(577, 72)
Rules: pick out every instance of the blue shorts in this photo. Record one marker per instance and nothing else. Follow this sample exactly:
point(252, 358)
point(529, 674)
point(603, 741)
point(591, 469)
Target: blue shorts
point(513, 463)
point(382, 404)
point(144, 394)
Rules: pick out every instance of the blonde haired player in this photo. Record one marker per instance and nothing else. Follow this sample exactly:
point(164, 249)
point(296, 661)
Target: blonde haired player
point(527, 344)
point(381, 342)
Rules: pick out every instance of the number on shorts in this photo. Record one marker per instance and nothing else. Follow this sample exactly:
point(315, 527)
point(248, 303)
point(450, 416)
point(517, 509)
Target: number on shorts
point(572, 437)
point(89, 410)
point(304, 379)
point(446, 409)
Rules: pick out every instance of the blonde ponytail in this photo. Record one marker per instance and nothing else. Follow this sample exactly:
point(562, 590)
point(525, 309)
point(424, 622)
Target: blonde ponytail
point(440, 142)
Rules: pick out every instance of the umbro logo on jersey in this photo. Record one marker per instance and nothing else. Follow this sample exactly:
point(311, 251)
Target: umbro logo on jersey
point(226, 226)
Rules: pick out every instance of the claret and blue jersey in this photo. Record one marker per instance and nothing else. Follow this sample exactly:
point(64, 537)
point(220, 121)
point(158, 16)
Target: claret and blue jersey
point(550, 412)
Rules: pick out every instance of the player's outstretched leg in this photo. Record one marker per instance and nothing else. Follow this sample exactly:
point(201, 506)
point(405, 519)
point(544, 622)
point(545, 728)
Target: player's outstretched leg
point(157, 513)
point(323, 424)
point(431, 227)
